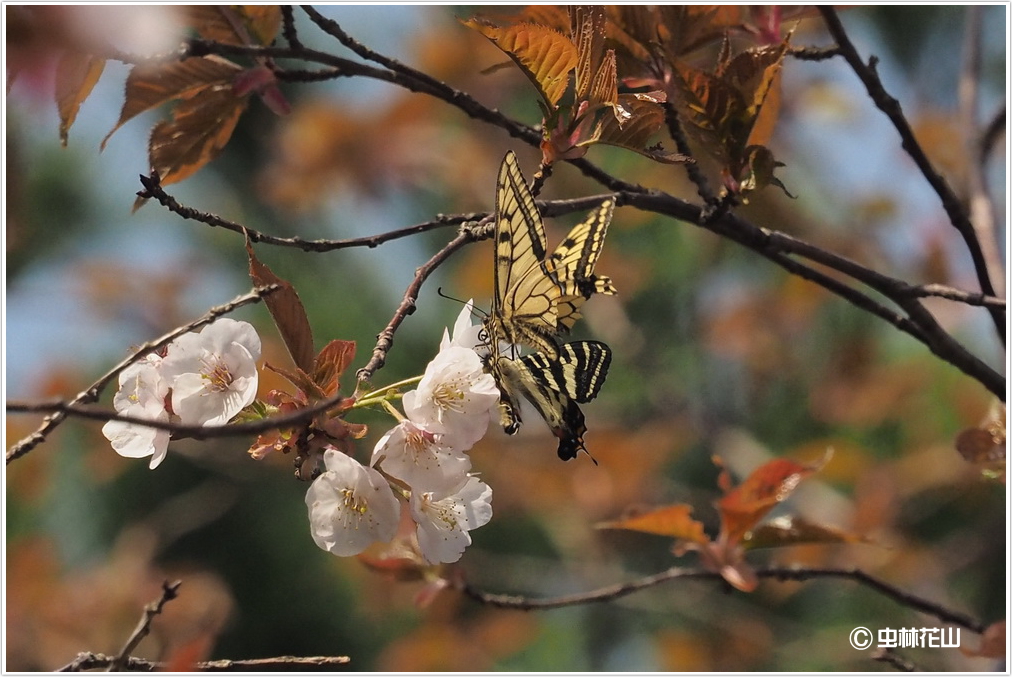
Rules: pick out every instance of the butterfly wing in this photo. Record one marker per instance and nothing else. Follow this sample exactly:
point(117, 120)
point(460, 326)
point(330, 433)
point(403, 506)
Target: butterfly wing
point(524, 304)
point(554, 387)
point(573, 263)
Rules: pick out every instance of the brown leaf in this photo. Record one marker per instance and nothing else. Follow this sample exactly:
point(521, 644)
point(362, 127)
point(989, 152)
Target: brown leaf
point(545, 55)
point(148, 86)
point(673, 520)
point(199, 130)
point(793, 530)
point(287, 311)
point(645, 118)
point(331, 363)
point(235, 24)
point(76, 75)
point(769, 484)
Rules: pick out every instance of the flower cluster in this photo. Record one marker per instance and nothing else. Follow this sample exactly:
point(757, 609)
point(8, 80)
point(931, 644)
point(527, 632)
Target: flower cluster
point(203, 378)
point(352, 506)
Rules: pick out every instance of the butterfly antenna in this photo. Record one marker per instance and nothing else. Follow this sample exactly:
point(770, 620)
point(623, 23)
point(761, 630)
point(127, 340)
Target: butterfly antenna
point(474, 309)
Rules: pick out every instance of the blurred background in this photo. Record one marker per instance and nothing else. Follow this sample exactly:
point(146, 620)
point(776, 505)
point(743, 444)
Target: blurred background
point(716, 352)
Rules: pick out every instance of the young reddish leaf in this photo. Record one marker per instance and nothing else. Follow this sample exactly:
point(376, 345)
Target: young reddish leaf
point(545, 55)
point(587, 31)
point(992, 643)
point(768, 485)
point(287, 311)
point(331, 363)
point(793, 530)
point(235, 24)
point(200, 127)
point(673, 520)
point(76, 75)
point(646, 117)
point(152, 85)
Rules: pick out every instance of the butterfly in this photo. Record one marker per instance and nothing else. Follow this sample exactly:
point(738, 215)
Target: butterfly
point(555, 386)
point(572, 264)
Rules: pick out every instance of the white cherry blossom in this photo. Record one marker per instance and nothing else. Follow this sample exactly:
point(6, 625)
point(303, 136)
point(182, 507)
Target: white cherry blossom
point(420, 458)
point(350, 506)
point(213, 374)
point(455, 396)
point(141, 394)
point(444, 519)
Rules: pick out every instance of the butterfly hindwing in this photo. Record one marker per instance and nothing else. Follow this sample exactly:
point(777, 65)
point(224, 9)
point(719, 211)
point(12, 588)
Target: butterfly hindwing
point(554, 387)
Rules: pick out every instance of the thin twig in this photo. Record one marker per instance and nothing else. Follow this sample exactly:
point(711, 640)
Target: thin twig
point(682, 146)
point(169, 591)
point(92, 392)
point(891, 107)
point(982, 208)
point(91, 661)
point(153, 189)
point(385, 339)
point(611, 592)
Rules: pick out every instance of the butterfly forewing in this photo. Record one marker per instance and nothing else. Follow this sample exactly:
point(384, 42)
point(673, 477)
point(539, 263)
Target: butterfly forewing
point(524, 306)
point(573, 263)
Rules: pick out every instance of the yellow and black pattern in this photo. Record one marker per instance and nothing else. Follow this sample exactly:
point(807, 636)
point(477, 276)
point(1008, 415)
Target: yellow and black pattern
point(555, 387)
point(525, 302)
point(573, 263)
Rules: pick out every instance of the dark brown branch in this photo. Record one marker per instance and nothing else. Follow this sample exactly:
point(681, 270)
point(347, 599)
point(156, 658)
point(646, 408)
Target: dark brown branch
point(143, 629)
point(682, 146)
point(814, 53)
point(611, 592)
point(385, 339)
point(93, 391)
point(93, 661)
point(891, 107)
point(153, 189)
point(994, 131)
point(288, 27)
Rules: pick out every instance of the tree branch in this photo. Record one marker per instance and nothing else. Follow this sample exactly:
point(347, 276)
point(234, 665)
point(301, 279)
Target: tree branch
point(143, 628)
point(611, 592)
point(891, 107)
point(91, 661)
point(93, 391)
point(385, 339)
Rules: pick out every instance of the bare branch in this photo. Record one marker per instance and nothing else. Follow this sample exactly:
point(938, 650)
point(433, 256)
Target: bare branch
point(385, 339)
point(891, 107)
point(93, 391)
point(92, 661)
point(611, 592)
point(814, 53)
point(143, 628)
point(682, 146)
